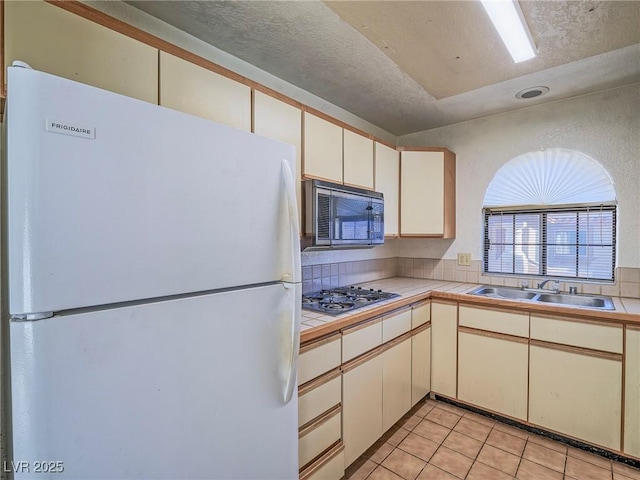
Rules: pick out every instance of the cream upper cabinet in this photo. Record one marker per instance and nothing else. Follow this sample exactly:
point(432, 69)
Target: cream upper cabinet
point(444, 335)
point(420, 365)
point(192, 89)
point(273, 118)
point(357, 160)
point(55, 41)
point(387, 181)
point(322, 149)
point(427, 193)
point(493, 372)
point(396, 383)
point(361, 407)
point(632, 393)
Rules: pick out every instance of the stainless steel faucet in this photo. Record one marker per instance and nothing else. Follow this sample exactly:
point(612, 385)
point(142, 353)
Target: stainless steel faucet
point(556, 285)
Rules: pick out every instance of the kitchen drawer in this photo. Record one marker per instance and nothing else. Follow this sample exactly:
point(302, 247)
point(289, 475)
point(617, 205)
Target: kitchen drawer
point(597, 336)
point(420, 314)
point(318, 358)
point(500, 321)
point(395, 325)
point(329, 467)
point(319, 398)
point(361, 338)
point(319, 437)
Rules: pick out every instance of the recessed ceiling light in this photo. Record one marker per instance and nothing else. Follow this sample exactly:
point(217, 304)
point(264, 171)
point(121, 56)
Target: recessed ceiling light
point(509, 21)
point(531, 92)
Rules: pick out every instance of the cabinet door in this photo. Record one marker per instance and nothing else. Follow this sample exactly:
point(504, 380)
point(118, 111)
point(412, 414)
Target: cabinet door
point(358, 160)
point(387, 181)
point(632, 393)
point(493, 371)
point(427, 194)
point(55, 41)
point(322, 149)
point(576, 393)
point(272, 118)
point(422, 193)
point(362, 408)
point(444, 333)
point(192, 89)
point(420, 365)
point(396, 383)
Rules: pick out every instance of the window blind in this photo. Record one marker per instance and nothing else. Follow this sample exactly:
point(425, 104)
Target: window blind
point(565, 242)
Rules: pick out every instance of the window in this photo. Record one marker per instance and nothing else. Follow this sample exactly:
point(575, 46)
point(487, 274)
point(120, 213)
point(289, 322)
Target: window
point(558, 242)
point(543, 219)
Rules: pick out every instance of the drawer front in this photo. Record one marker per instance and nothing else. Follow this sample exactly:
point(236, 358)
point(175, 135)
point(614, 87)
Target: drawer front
point(318, 360)
point(509, 323)
point(421, 315)
point(332, 470)
point(319, 400)
point(361, 339)
point(395, 325)
point(607, 338)
point(314, 442)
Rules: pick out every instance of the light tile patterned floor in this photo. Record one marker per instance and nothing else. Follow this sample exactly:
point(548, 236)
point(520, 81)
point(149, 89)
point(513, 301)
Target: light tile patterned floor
point(437, 441)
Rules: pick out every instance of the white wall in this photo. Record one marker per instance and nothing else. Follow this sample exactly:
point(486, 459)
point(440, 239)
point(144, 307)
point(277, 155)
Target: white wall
point(604, 126)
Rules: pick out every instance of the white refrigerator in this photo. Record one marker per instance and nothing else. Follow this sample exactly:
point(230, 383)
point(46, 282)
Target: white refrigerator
point(154, 290)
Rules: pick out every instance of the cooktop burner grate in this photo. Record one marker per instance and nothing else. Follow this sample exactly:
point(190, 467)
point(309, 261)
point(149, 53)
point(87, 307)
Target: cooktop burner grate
point(343, 299)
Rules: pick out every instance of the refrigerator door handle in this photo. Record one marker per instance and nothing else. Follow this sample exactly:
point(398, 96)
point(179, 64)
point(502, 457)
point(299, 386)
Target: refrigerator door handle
point(293, 337)
point(294, 228)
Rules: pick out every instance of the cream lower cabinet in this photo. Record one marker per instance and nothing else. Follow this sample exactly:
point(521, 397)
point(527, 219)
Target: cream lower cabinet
point(396, 381)
point(420, 364)
point(420, 351)
point(444, 339)
point(578, 393)
point(61, 43)
point(320, 409)
point(192, 89)
point(632, 392)
point(493, 359)
point(493, 371)
point(362, 405)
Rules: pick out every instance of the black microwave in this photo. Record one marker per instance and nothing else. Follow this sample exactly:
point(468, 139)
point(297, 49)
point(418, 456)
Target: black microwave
point(339, 216)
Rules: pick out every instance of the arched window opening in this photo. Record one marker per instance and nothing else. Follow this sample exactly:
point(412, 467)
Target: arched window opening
point(551, 213)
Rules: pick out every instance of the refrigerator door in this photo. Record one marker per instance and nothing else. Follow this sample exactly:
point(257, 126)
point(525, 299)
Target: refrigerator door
point(112, 199)
point(189, 388)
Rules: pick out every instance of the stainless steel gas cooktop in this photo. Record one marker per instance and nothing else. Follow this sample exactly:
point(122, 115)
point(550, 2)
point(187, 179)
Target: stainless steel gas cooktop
point(343, 299)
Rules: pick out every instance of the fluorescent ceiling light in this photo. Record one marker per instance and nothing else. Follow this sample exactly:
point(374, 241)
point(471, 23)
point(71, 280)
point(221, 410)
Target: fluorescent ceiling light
point(512, 27)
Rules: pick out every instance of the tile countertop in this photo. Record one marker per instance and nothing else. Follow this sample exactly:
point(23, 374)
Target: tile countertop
point(412, 290)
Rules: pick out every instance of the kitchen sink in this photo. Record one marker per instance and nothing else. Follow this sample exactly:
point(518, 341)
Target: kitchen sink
point(600, 302)
point(603, 303)
point(502, 292)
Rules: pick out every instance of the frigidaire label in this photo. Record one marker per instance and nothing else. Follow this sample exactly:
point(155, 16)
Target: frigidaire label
point(69, 128)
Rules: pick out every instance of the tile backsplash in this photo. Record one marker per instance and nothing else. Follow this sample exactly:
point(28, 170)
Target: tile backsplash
point(332, 275)
point(627, 279)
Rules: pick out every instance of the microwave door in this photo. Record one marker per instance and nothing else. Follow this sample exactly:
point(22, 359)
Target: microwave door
point(352, 219)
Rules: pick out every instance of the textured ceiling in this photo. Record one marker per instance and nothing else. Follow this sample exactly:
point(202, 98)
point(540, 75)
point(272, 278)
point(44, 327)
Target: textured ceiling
point(395, 64)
